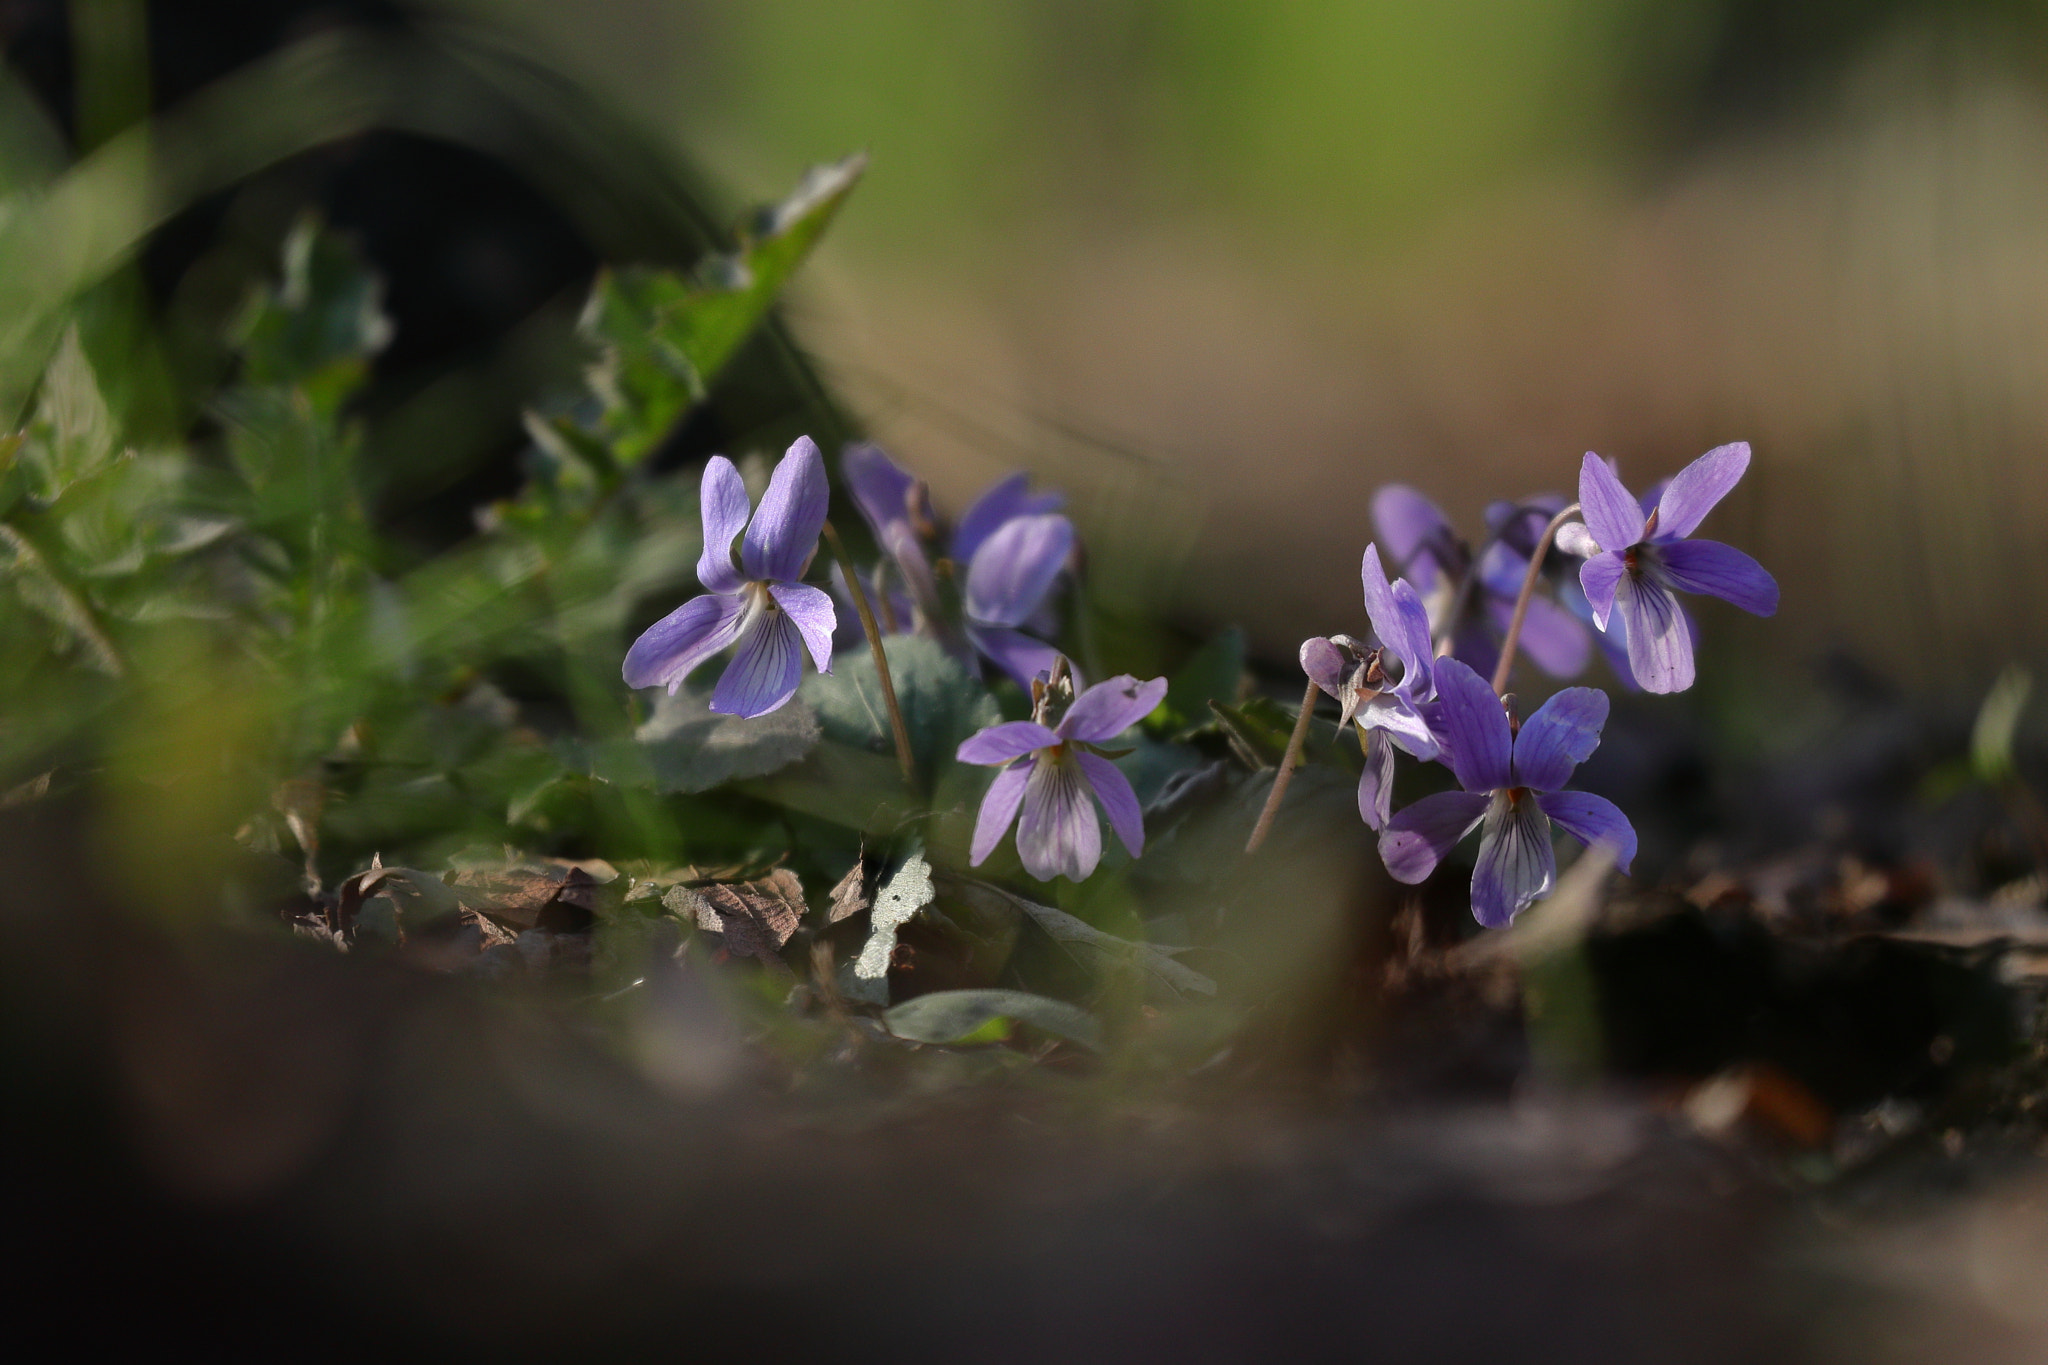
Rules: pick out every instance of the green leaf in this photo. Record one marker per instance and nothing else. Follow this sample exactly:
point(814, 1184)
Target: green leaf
point(685, 747)
point(1258, 731)
point(977, 1016)
point(1156, 961)
point(316, 329)
point(663, 339)
point(903, 895)
point(72, 435)
point(1211, 673)
point(48, 595)
point(942, 703)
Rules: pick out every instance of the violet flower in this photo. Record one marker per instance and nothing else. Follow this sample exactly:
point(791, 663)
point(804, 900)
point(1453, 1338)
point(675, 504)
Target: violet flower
point(1386, 690)
point(1050, 774)
point(1634, 560)
point(1513, 784)
point(1006, 553)
point(1429, 554)
point(757, 603)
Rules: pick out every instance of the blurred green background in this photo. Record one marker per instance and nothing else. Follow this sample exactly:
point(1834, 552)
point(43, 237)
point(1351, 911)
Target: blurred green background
point(1221, 269)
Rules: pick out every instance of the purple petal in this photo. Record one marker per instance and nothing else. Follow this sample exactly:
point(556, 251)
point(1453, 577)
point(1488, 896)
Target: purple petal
point(1016, 653)
point(901, 544)
point(1474, 644)
point(1006, 501)
point(1562, 734)
point(1553, 638)
point(1119, 802)
point(1412, 644)
point(1376, 783)
point(1399, 619)
point(1015, 568)
point(812, 611)
point(879, 486)
point(667, 650)
point(1058, 832)
point(1474, 728)
point(764, 669)
point(1111, 707)
point(1611, 514)
point(1516, 867)
point(1613, 641)
point(1414, 531)
point(723, 497)
point(784, 533)
point(1003, 743)
point(1696, 488)
point(1501, 571)
point(1520, 524)
point(1419, 835)
point(1598, 578)
point(1721, 571)
point(1592, 820)
point(1325, 665)
point(1659, 635)
point(1403, 723)
point(998, 809)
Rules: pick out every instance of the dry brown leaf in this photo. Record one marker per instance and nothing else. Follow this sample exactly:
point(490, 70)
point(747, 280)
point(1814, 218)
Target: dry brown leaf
point(849, 897)
point(515, 895)
point(558, 896)
point(754, 918)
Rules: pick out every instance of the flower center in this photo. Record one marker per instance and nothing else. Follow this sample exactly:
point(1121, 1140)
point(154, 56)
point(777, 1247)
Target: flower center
point(760, 602)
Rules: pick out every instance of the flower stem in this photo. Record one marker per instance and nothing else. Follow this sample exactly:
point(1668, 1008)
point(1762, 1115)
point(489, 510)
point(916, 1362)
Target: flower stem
point(1286, 773)
point(1514, 638)
point(867, 624)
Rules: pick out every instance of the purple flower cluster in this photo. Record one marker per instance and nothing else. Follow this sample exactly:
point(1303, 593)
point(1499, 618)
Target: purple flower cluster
point(1413, 684)
point(1470, 599)
point(989, 595)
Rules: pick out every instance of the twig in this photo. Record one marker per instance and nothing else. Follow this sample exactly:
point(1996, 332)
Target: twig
point(867, 624)
point(1507, 648)
point(1286, 773)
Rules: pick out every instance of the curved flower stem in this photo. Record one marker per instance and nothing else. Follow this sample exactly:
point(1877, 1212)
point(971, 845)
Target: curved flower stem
point(1514, 637)
point(1286, 773)
point(867, 624)
point(1467, 583)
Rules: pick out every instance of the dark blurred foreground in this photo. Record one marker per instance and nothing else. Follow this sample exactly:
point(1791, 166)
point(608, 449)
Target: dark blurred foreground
point(245, 1144)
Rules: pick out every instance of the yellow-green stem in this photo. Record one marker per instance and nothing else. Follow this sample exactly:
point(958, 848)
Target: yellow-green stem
point(867, 624)
point(1286, 773)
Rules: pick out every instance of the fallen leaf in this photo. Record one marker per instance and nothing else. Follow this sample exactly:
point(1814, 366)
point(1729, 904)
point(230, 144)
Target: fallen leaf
point(754, 918)
point(516, 895)
point(909, 891)
point(557, 896)
point(849, 897)
point(392, 902)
